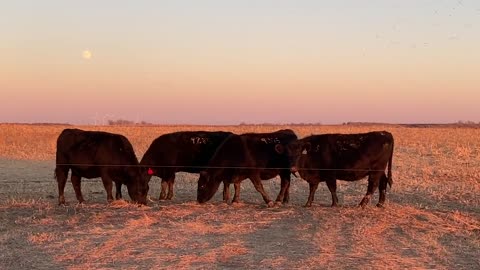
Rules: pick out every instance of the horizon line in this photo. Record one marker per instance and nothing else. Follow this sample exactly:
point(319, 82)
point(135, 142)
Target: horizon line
point(351, 123)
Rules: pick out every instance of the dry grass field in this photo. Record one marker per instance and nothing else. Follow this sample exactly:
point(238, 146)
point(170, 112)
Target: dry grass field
point(431, 219)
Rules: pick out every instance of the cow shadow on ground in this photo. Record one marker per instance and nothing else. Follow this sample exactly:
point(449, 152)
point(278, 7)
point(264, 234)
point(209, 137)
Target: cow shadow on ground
point(423, 200)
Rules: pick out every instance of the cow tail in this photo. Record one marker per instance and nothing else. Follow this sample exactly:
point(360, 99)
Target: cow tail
point(389, 175)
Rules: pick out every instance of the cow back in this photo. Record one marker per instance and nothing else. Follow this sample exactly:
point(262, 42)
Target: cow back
point(183, 151)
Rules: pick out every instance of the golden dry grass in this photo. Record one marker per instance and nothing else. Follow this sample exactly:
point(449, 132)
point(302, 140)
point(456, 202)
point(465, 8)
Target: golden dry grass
point(431, 219)
point(37, 142)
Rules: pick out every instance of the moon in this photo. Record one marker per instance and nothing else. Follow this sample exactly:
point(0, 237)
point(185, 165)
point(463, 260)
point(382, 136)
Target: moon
point(87, 54)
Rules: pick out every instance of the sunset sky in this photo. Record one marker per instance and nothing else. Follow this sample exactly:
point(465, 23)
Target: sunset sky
point(226, 62)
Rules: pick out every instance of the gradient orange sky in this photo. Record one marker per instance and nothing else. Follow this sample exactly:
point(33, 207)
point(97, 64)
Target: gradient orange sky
point(226, 62)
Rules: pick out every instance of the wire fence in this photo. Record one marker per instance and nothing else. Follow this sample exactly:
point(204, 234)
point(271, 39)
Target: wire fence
point(216, 167)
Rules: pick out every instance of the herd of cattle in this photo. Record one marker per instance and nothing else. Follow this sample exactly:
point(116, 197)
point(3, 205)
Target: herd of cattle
point(225, 157)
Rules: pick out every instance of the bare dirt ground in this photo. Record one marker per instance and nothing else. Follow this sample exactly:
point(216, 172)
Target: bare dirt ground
point(431, 218)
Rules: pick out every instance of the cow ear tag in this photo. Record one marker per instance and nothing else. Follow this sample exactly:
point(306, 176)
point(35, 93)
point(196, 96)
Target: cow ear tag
point(150, 171)
point(304, 152)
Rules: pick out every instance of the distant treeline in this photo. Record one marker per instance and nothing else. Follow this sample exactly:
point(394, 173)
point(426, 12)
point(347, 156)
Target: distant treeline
point(39, 124)
point(123, 122)
point(280, 124)
point(422, 125)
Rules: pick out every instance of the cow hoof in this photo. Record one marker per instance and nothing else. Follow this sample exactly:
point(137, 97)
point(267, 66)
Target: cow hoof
point(308, 205)
point(270, 204)
point(278, 203)
point(380, 205)
point(364, 203)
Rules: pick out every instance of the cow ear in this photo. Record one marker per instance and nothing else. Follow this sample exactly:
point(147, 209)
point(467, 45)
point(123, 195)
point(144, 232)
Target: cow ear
point(307, 146)
point(279, 148)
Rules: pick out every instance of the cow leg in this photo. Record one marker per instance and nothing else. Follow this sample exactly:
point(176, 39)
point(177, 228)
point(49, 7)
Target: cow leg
point(61, 175)
point(373, 181)
point(286, 199)
point(285, 184)
point(171, 181)
point(163, 192)
point(236, 197)
point(332, 186)
point(226, 191)
point(313, 188)
point(118, 190)
point(76, 182)
point(107, 184)
point(382, 190)
point(257, 183)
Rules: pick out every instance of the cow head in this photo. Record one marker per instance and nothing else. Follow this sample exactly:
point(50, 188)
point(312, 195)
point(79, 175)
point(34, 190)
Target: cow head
point(207, 187)
point(296, 151)
point(137, 185)
point(147, 172)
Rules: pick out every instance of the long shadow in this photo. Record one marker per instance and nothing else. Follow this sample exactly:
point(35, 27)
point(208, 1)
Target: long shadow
point(423, 200)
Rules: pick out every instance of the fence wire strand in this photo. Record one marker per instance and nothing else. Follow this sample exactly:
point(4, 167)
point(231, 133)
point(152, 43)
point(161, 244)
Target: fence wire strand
point(216, 167)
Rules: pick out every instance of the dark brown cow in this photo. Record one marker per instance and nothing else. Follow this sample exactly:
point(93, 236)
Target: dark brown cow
point(186, 151)
point(257, 156)
point(92, 154)
point(350, 157)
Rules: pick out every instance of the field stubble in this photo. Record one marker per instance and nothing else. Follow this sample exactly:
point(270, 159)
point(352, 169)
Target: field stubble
point(431, 218)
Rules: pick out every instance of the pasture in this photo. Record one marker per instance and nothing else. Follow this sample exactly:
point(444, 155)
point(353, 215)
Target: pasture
point(431, 217)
